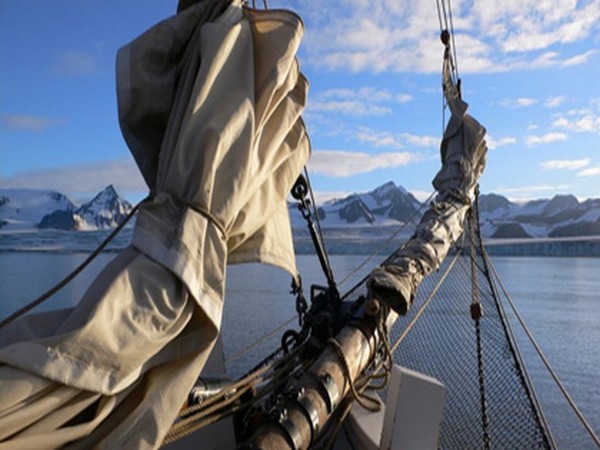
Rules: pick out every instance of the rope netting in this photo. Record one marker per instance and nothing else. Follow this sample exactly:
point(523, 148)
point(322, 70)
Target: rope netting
point(490, 403)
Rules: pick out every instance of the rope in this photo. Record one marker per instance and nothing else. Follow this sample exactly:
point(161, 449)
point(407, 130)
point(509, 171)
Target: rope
point(425, 303)
point(61, 284)
point(362, 399)
point(192, 418)
point(476, 314)
point(446, 23)
point(540, 353)
point(452, 34)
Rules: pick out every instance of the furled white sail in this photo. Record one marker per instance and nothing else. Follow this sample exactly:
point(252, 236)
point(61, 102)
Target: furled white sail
point(210, 104)
point(463, 153)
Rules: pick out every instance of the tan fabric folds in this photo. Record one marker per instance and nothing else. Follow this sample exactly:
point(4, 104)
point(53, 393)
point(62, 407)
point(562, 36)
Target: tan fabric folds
point(209, 104)
point(463, 154)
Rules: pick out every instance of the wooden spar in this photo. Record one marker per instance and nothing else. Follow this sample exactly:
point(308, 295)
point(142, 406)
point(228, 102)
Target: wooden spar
point(324, 385)
point(326, 382)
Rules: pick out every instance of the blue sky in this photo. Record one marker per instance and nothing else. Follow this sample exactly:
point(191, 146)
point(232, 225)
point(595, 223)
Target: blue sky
point(529, 70)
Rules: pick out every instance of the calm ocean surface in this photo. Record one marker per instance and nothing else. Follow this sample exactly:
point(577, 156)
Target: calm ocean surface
point(559, 298)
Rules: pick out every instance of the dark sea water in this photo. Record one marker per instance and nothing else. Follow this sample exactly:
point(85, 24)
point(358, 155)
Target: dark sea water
point(559, 298)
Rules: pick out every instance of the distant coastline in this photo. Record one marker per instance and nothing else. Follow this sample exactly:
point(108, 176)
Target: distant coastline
point(338, 241)
point(579, 246)
point(364, 241)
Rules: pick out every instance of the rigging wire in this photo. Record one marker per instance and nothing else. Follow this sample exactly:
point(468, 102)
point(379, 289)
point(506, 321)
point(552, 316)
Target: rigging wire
point(318, 223)
point(545, 361)
point(259, 341)
point(225, 403)
point(419, 313)
point(384, 245)
point(446, 23)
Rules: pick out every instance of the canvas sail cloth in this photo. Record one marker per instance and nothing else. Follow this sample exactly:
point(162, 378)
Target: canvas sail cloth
point(210, 105)
point(463, 153)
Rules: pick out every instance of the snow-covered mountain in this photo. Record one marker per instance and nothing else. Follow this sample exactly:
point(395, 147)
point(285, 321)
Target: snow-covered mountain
point(560, 216)
point(25, 208)
point(22, 209)
point(386, 205)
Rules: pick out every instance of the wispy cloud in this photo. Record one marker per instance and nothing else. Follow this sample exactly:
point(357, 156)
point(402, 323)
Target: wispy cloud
point(531, 192)
point(580, 121)
point(343, 163)
point(548, 138)
point(379, 139)
point(75, 63)
point(521, 102)
point(555, 101)
point(387, 139)
point(348, 107)
point(81, 179)
point(494, 143)
point(27, 122)
point(565, 164)
point(590, 172)
point(577, 60)
point(365, 101)
point(400, 35)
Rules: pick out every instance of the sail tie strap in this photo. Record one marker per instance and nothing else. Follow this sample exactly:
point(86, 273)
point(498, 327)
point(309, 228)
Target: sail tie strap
point(211, 218)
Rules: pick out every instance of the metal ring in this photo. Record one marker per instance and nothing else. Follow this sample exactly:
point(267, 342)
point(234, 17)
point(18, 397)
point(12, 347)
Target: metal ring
point(331, 389)
point(293, 435)
point(311, 413)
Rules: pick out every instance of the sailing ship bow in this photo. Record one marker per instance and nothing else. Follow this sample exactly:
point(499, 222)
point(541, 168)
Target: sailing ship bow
point(392, 285)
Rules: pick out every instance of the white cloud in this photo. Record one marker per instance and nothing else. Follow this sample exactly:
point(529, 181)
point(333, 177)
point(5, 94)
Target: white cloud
point(577, 60)
point(565, 164)
point(493, 143)
point(82, 179)
point(545, 139)
point(582, 121)
point(403, 98)
point(25, 122)
point(590, 172)
point(402, 35)
point(351, 108)
point(379, 138)
point(364, 101)
point(520, 102)
point(75, 63)
point(555, 101)
point(395, 140)
point(343, 163)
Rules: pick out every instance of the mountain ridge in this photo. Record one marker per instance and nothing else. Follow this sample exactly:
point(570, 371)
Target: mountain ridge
point(562, 215)
point(25, 209)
